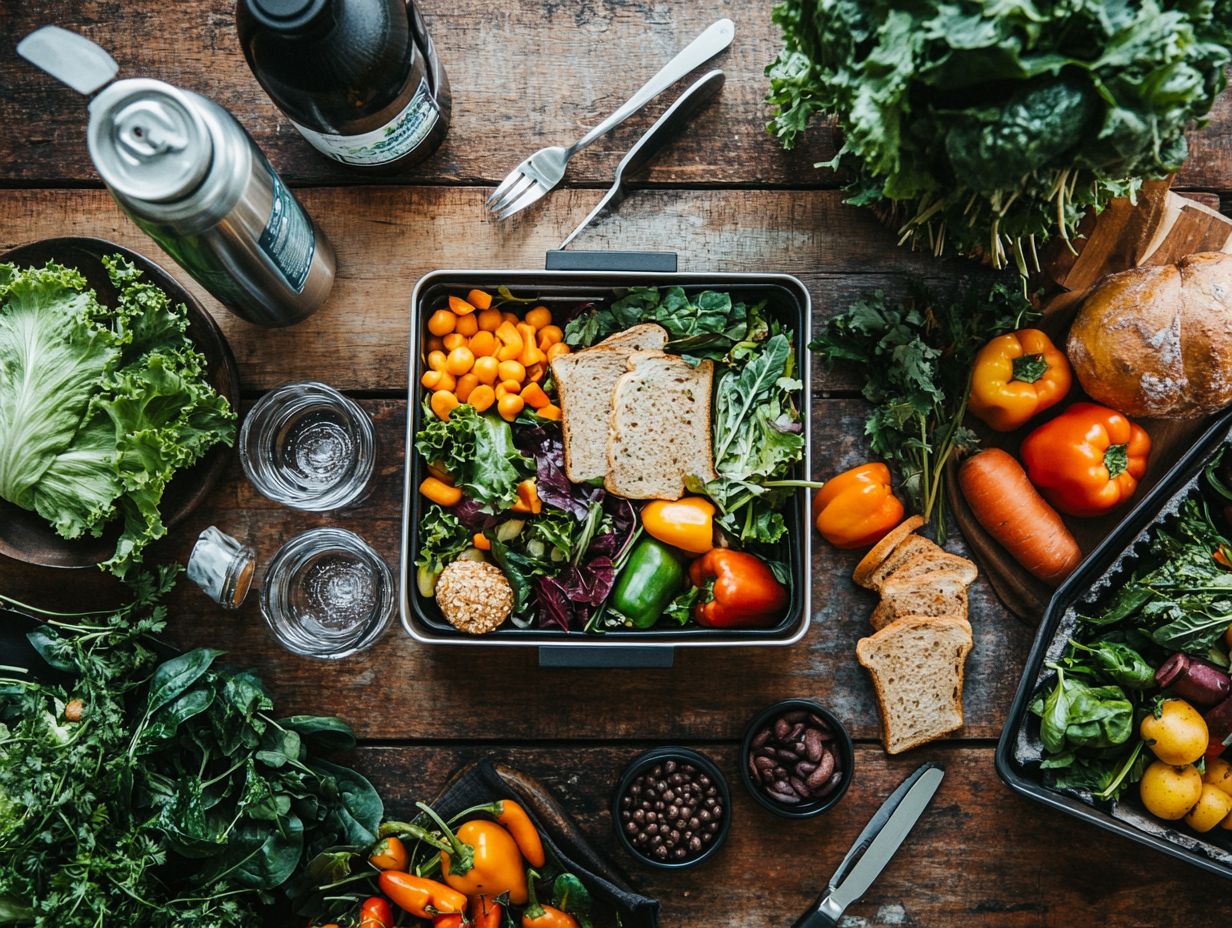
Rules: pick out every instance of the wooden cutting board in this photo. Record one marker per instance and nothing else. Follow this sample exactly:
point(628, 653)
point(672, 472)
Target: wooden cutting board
point(1161, 228)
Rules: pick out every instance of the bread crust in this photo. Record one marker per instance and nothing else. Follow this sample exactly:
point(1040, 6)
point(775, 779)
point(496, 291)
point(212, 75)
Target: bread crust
point(882, 550)
point(1157, 341)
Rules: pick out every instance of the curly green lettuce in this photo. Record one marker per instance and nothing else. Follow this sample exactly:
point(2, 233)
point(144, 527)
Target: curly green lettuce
point(99, 406)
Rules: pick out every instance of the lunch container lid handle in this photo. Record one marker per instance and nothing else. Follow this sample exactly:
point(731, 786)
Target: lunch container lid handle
point(604, 657)
point(646, 262)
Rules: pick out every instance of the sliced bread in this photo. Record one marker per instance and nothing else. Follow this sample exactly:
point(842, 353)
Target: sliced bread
point(931, 562)
point(660, 427)
point(648, 336)
point(911, 547)
point(585, 381)
point(942, 593)
point(917, 669)
point(883, 549)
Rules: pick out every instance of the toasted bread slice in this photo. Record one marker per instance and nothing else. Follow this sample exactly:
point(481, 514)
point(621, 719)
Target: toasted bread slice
point(917, 668)
point(909, 548)
point(660, 427)
point(932, 562)
point(648, 336)
point(883, 549)
point(942, 593)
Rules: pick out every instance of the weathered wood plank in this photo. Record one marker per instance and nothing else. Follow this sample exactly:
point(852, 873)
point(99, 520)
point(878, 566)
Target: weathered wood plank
point(980, 856)
point(499, 693)
point(525, 73)
point(388, 237)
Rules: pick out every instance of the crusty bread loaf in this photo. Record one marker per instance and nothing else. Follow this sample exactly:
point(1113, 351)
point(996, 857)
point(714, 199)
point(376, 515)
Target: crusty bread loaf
point(911, 547)
point(660, 427)
point(942, 593)
point(585, 381)
point(883, 549)
point(1157, 341)
point(917, 669)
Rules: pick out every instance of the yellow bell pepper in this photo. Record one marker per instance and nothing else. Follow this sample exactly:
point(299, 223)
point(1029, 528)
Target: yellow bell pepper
point(686, 523)
point(1017, 376)
point(857, 508)
point(480, 858)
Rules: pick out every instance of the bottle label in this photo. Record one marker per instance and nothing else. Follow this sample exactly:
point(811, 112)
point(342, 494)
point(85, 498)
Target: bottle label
point(288, 240)
point(401, 135)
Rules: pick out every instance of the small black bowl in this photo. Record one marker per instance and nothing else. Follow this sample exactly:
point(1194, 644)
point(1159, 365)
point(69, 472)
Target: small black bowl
point(684, 755)
point(846, 750)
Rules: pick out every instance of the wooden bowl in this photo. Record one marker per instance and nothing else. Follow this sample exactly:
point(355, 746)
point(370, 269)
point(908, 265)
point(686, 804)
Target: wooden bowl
point(27, 536)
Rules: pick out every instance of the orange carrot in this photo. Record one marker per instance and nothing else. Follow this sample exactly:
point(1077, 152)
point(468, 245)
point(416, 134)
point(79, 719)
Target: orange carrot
point(1005, 503)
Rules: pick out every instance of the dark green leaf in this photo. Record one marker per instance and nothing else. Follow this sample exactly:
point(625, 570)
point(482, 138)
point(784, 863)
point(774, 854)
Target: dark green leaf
point(176, 675)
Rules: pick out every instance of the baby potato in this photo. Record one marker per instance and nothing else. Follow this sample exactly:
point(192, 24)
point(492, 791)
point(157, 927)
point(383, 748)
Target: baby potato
point(1219, 773)
point(1212, 808)
point(1179, 736)
point(1170, 792)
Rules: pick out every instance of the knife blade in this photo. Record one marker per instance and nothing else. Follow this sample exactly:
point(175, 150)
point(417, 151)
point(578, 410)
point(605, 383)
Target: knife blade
point(69, 57)
point(872, 850)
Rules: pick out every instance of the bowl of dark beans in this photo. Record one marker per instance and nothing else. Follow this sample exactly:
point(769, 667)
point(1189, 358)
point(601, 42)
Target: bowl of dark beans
point(796, 758)
point(672, 808)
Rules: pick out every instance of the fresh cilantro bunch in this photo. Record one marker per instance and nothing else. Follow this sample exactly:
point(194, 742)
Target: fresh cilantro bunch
point(986, 128)
point(915, 358)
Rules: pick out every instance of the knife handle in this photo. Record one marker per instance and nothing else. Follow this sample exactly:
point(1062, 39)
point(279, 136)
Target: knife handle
point(824, 913)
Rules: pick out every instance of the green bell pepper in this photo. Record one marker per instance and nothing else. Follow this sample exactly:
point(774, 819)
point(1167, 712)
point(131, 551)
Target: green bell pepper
point(647, 585)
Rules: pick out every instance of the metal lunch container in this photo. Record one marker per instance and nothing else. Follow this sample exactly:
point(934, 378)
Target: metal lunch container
point(190, 176)
point(572, 278)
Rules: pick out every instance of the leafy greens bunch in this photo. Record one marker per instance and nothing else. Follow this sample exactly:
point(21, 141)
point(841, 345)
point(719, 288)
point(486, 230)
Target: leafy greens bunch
point(915, 358)
point(99, 406)
point(989, 127)
point(148, 792)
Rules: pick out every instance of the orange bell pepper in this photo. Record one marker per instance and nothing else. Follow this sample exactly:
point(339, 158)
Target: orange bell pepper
point(422, 897)
point(519, 825)
point(858, 507)
point(1087, 460)
point(743, 592)
point(482, 859)
point(486, 913)
point(1016, 377)
point(686, 523)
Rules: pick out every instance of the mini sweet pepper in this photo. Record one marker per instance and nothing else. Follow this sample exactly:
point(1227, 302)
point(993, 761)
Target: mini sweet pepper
point(1087, 460)
point(539, 915)
point(420, 896)
point(857, 507)
point(1017, 376)
point(738, 590)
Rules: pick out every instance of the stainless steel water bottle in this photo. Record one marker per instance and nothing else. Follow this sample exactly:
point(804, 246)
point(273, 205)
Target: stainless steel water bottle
point(189, 175)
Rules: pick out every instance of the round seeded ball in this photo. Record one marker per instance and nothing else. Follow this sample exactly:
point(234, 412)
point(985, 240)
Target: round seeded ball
point(474, 596)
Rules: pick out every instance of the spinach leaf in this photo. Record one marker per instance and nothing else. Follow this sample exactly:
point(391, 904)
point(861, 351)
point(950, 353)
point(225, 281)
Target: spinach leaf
point(1076, 715)
point(321, 732)
point(1113, 660)
point(178, 674)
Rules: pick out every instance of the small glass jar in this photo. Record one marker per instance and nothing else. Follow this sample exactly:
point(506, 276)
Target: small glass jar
point(327, 594)
point(222, 567)
point(307, 446)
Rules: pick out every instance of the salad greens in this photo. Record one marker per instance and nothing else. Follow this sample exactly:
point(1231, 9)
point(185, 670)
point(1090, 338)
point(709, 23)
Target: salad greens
point(1179, 597)
point(709, 327)
point(915, 359)
point(758, 438)
point(985, 128)
point(149, 792)
point(99, 406)
point(479, 451)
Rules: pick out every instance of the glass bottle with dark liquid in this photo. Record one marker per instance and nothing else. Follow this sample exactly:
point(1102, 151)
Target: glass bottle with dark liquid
point(359, 79)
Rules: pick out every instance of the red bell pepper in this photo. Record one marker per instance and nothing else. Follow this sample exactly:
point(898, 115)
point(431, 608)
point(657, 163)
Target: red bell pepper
point(738, 590)
point(1087, 460)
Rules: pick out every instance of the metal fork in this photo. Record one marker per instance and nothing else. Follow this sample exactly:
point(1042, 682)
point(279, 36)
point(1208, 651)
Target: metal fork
point(543, 170)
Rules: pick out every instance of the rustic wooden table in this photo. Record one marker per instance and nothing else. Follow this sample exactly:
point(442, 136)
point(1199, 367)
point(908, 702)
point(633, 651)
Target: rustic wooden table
point(527, 73)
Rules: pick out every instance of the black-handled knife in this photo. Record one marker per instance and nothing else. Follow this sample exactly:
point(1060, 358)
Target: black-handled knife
point(881, 837)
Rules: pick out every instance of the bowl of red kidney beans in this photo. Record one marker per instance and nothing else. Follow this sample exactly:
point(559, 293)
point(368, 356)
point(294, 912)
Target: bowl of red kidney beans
point(796, 758)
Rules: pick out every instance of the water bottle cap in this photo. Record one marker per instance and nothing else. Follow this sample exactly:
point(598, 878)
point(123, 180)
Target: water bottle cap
point(285, 14)
point(148, 140)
